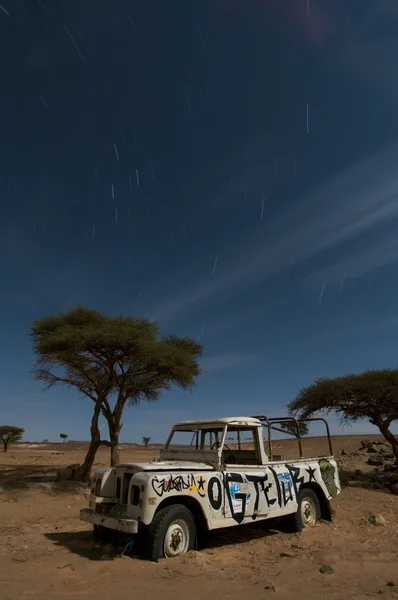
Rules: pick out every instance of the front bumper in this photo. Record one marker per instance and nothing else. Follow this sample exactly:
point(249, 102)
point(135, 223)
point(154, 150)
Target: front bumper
point(126, 525)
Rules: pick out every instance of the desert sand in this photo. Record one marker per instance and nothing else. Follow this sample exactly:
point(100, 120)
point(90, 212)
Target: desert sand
point(47, 553)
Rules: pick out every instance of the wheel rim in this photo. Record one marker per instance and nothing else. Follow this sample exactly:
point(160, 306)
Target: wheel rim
point(176, 539)
point(308, 511)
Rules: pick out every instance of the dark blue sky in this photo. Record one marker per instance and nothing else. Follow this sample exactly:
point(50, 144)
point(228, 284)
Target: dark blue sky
point(156, 159)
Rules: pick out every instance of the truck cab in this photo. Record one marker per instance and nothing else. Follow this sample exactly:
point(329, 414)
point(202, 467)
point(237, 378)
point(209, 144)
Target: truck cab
point(212, 474)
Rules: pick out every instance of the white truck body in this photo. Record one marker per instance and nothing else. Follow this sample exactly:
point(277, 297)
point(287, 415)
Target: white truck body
point(221, 486)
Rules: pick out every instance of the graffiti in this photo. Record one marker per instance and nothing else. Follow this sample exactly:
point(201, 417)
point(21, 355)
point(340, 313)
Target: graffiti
point(311, 475)
point(297, 480)
point(237, 499)
point(239, 496)
point(284, 487)
point(215, 495)
point(259, 482)
point(179, 483)
point(327, 474)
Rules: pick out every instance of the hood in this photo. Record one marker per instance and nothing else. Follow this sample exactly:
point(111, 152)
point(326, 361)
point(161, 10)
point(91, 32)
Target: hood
point(172, 465)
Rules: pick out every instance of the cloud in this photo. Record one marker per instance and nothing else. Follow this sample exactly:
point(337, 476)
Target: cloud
point(357, 264)
point(347, 205)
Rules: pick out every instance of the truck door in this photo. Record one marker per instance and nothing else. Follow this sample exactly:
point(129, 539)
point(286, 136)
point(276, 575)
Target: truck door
point(250, 490)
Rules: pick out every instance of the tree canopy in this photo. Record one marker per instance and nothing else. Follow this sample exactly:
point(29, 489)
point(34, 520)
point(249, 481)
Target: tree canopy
point(372, 395)
point(10, 434)
point(113, 361)
point(145, 441)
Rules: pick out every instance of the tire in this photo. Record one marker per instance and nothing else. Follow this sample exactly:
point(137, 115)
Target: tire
point(308, 510)
point(171, 533)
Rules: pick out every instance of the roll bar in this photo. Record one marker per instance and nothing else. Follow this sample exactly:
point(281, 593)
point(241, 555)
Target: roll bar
point(281, 420)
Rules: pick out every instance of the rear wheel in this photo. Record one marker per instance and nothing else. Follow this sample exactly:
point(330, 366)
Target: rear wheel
point(308, 510)
point(171, 533)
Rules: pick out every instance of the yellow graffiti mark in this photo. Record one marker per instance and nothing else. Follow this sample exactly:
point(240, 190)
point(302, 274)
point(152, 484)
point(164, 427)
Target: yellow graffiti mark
point(193, 488)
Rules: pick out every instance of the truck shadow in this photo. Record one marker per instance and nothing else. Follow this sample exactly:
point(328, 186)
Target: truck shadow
point(83, 543)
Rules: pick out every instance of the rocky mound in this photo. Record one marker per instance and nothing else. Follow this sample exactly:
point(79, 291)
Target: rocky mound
point(379, 469)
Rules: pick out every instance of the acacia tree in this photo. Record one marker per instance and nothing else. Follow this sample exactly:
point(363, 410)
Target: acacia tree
point(113, 361)
point(291, 429)
point(63, 436)
point(10, 434)
point(372, 395)
point(145, 441)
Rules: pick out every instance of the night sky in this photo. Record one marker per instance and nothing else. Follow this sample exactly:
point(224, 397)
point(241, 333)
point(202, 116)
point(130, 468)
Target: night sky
point(226, 167)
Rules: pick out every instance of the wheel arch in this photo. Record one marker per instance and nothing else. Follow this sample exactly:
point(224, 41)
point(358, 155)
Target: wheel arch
point(194, 507)
point(326, 510)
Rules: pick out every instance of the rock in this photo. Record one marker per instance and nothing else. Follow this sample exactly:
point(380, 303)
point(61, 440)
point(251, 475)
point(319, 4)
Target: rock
point(377, 520)
point(269, 586)
point(67, 473)
point(326, 570)
point(1, 489)
point(391, 583)
point(393, 478)
point(394, 488)
point(372, 449)
point(378, 485)
point(388, 455)
point(288, 555)
point(255, 579)
point(68, 566)
point(375, 462)
point(343, 452)
point(358, 473)
point(366, 444)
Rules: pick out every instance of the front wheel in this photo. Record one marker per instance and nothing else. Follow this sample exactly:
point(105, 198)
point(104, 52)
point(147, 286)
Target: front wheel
point(171, 533)
point(308, 510)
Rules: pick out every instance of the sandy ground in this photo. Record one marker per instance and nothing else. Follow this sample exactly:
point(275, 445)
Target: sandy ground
point(47, 553)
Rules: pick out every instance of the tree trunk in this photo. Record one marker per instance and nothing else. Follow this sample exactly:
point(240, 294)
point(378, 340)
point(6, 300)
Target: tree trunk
point(115, 427)
point(115, 459)
point(391, 439)
point(114, 432)
point(83, 473)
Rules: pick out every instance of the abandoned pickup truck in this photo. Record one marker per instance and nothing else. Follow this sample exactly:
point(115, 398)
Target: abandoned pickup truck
point(211, 474)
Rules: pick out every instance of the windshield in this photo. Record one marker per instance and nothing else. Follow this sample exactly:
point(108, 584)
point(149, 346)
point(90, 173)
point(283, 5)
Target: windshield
point(195, 439)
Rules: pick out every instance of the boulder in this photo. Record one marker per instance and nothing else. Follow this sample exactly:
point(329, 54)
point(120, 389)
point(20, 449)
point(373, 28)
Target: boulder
point(394, 488)
point(372, 449)
point(366, 444)
point(67, 473)
point(375, 462)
